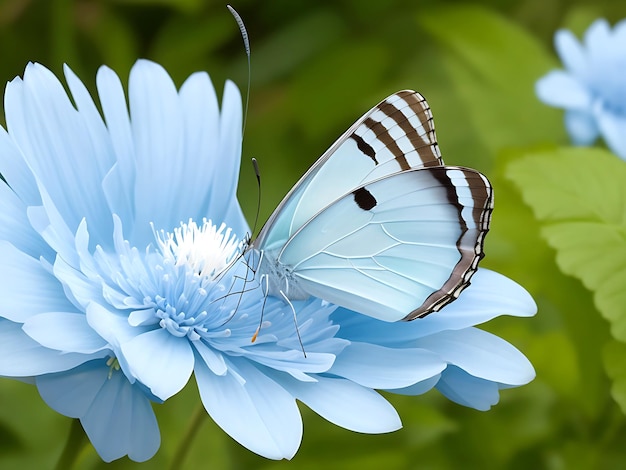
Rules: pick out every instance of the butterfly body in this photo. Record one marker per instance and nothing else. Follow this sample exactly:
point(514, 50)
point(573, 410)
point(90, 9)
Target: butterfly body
point(378, 224)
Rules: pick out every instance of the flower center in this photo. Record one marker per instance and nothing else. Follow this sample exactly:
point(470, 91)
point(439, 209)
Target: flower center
point(194, 261)
point(206, 250)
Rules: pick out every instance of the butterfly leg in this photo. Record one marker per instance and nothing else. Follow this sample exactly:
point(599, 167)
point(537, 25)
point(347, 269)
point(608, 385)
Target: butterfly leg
point(295, 320)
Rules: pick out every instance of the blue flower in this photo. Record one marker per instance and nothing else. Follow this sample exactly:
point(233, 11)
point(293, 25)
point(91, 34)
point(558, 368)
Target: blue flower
point(122, 277)
point(80, 300)
point(591, 89)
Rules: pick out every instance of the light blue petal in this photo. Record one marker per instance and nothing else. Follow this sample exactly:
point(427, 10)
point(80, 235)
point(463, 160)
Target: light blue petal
point(201, 155)
point(571, 52)
point(102, 154)
point(581, 126)
point(598, 40)
point(156, 122)
point(64, 331)
point(613, 129)
point(139, 317)
point(212, 358)
point(48, 222)
point(464, 389)
point(57, 147)
point(491, 294)
point(26, 287)
point(347, 404)
point(15, 227)
point(72, 392)
point(117, 416)
point(562, 90)
point(121, 422)
point(482, 355)
point(78, 287)
point(259, 414)
point(223, 187)
point(295, 362)
point(118, 184)
point(113, 326)
point(161, 361)
point(21, 356)
point(386, 368)
point(14, 169)
point(418, 388)
point(619, 36)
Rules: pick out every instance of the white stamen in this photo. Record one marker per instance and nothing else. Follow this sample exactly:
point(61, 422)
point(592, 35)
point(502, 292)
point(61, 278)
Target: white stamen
point(207, 250)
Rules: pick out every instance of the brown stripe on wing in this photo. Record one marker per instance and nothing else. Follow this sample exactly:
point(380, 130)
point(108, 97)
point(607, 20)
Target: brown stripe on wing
point(469, 244)
point(424, 141)
point(429, 149)
point(401, 108)
point(383, 135)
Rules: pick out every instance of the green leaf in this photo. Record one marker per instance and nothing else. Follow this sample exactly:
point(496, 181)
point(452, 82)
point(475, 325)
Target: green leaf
point(493, 64)
point(615, 365)
point(579, 194)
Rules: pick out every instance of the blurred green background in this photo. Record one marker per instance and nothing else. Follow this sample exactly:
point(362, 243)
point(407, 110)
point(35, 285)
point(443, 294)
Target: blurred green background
point(316, 67)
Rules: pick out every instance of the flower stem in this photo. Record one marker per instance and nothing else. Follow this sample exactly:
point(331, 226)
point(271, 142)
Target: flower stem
point(196, 421)
point(75, 443)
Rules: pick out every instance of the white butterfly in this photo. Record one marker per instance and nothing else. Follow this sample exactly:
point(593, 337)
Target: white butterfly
point(378, 224)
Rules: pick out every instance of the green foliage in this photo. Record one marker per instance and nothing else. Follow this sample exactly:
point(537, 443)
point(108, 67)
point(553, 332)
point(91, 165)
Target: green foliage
point(493, 64)
point(576, 193)
point(316, 67)
point(614, 354)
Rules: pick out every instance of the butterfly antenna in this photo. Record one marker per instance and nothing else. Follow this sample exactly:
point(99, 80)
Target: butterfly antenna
point(257, 172)
point(246, 44)
point(251, 267)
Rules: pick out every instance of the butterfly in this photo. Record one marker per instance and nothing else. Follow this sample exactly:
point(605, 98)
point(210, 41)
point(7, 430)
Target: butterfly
point(379, 224)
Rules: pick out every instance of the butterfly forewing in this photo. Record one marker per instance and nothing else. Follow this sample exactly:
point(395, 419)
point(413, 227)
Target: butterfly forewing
point(396, 135)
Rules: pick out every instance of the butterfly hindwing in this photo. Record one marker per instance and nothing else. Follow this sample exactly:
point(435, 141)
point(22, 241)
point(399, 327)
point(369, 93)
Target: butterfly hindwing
point(395, 249)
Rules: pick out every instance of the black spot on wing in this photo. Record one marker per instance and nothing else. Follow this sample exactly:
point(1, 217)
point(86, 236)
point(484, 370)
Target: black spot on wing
point(364, 199)
point(364, 147)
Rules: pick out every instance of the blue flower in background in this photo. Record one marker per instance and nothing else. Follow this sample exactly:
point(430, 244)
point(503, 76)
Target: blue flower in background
point(591, 89)
point(121, 277)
